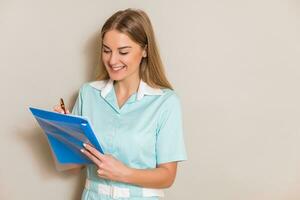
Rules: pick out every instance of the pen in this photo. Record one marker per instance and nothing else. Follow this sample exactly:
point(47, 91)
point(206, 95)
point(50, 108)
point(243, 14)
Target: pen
point(62, 105)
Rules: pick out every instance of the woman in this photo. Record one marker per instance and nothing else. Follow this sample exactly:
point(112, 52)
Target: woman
point(135, 113)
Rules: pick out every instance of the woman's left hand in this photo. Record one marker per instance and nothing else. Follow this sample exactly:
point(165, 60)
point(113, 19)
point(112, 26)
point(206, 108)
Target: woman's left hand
point(108, 166)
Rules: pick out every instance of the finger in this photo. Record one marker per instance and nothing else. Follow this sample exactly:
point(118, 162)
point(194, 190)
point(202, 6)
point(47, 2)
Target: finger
point(94, 151)
point(101, 174)
point(91, 157)
point(57, 108)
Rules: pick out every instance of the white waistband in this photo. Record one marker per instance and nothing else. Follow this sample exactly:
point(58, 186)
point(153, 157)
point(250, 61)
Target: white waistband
point(119, 192)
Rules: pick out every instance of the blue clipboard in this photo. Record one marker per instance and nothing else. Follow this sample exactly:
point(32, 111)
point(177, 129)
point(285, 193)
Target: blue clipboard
point(66, 135)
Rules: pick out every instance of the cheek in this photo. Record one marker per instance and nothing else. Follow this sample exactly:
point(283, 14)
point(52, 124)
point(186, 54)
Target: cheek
point(132, 60)
point(105, 58)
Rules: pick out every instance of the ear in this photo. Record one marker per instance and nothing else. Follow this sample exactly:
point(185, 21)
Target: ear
point(145, 52)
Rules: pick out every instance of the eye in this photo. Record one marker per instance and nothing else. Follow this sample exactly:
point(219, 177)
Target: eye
point(106, 51)
point(123, 53)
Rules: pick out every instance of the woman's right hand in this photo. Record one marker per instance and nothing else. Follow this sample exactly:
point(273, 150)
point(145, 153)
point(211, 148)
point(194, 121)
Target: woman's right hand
point(59, 109)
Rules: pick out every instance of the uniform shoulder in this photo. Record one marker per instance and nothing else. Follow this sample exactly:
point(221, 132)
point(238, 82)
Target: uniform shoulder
point(169, 93)
point(170, 97)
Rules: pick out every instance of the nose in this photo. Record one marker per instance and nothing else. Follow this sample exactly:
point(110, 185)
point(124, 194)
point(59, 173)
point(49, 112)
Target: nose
point(113, 59)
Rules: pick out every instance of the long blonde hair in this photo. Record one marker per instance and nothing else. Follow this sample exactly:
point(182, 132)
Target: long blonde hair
point(137, 25)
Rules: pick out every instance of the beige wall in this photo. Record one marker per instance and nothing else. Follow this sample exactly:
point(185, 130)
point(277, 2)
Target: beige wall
point(235, 65)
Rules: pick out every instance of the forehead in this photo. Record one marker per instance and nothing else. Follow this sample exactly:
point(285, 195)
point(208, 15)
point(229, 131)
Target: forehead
point(115, 39)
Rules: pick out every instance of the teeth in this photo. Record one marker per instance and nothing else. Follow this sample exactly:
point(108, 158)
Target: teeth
point(117, 68)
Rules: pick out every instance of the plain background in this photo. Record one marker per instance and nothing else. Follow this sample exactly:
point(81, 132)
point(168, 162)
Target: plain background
point(235, 65)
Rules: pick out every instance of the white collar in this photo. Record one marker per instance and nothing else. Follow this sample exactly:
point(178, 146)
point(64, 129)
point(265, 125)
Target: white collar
point(105, 86)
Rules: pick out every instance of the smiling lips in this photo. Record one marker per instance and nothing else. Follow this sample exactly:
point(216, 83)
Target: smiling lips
point(117, 68)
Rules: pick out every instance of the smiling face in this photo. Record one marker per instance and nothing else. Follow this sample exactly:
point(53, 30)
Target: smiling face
point(121, 56)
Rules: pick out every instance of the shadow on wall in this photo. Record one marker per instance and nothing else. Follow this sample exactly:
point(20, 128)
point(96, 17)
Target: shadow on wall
point(38, 144)
point(92, 53)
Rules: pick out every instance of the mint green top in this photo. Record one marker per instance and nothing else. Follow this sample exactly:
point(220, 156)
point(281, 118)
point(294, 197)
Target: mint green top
point(145, 132)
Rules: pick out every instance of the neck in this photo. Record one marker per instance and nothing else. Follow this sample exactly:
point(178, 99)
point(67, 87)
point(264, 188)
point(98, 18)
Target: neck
point(127, 87)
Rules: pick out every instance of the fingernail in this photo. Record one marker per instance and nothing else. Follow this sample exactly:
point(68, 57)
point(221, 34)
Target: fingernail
point(84, 144)
point(82, 150)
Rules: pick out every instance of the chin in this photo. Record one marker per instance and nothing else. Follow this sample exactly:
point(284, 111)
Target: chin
point(116, 78)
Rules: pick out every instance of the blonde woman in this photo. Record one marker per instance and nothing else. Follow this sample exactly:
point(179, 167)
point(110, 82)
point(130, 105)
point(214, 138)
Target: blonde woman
point(135, 113)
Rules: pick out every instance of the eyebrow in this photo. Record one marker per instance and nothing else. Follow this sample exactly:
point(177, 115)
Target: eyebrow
point(124, 47)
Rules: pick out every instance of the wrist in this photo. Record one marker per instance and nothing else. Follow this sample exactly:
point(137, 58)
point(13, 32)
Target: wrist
point(126, 178)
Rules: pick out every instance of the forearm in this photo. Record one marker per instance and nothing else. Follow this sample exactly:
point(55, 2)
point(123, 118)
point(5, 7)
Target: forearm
point(160, 177)
point(112, 169)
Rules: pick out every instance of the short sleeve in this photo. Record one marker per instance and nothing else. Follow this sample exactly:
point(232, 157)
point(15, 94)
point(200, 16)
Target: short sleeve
point(170, 142)
point(77, 108)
